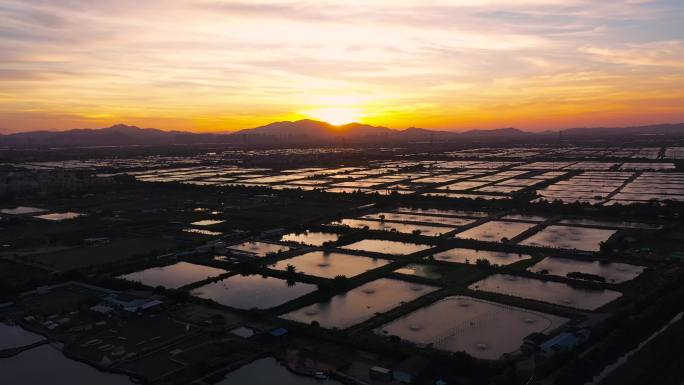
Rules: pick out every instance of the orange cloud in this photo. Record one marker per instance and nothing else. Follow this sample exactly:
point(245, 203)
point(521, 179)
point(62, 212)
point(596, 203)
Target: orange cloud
point(226, 65)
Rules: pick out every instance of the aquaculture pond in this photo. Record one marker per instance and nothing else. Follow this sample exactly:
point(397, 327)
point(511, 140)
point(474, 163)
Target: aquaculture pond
point(360, 304)
point(568, 237)
point(458, 213)
point(207, 222)
point(495, 231)
point(480, 328)
point(253, 291)
point(54, 368)
point(313, 238)
point(22, 210)
point(59, 216)
point(546, 291)
point(404, 217)
point(461, 255)
point(421, 270)
point(616, 224)
point(525, 218)
point(260, 249)
point(14, 336)
point(330, 264)
point(386, 247)
point(203, 232)
point(612, 272)
point(405, 228)
point(173, 276)
point(268, 371)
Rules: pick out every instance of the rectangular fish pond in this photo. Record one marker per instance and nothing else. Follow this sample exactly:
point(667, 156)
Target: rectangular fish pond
point(313, 238)
point(612, 272)
point(546, 291)
point(569, 237)
point(461, 255)
point(329, 264)
point(253, 291)
point(386, 247)
point(173, 276)
point(360, 304)
point(495, 231)
point(483, 329)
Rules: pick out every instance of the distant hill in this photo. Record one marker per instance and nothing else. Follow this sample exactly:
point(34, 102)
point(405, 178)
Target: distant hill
point(306, 130)
point(117, 135)
point(312, 131)
point(496, 133)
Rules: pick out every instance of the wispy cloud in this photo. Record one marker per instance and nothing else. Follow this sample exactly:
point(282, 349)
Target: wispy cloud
point(209, 65)
point(652, 54)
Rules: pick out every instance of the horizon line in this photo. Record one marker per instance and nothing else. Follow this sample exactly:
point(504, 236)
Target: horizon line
point(5, 131)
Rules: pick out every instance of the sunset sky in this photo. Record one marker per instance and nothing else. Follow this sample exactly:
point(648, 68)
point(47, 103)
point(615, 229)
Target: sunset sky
point(210, 65)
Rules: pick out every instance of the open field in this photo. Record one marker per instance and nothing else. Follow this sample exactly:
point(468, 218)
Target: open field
point(114, 251)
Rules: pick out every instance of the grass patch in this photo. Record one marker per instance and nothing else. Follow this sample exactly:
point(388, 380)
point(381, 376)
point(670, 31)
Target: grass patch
point(85, 256)
point(60, 300)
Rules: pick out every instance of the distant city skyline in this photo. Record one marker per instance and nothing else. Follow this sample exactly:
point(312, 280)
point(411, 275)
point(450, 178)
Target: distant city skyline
point(210, 66)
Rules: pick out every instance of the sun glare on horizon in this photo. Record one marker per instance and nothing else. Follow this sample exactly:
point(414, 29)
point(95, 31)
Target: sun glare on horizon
point(337, 116)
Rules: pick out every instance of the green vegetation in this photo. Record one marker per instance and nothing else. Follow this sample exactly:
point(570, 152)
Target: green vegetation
point(115, 251)
point(662, 356)
point(61, 300)
point(16, 277)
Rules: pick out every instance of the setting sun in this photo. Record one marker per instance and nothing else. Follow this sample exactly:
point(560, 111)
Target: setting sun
point(336, 116)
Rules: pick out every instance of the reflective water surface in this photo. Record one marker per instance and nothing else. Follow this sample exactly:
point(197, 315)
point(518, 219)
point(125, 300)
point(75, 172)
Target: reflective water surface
point(173, 276)
point(360, 304)
point(268, 371)
point(495, 231)
point(314, 238)
point(386, 247)
point(405, 228)
point(59, 216)
point(613, 272)
point(568, 237)
point(461, 255)
point(421, 270)
point(54, 368)
point(405, 217)
point(13, 336)
point(480, 328)
point(328, 264)
point(253, 291)
point(546, 291)
point(260, 249)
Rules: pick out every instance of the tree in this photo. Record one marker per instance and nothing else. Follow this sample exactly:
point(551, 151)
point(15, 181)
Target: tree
point(339, 281)
point(482, 262)
point(218, 319)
